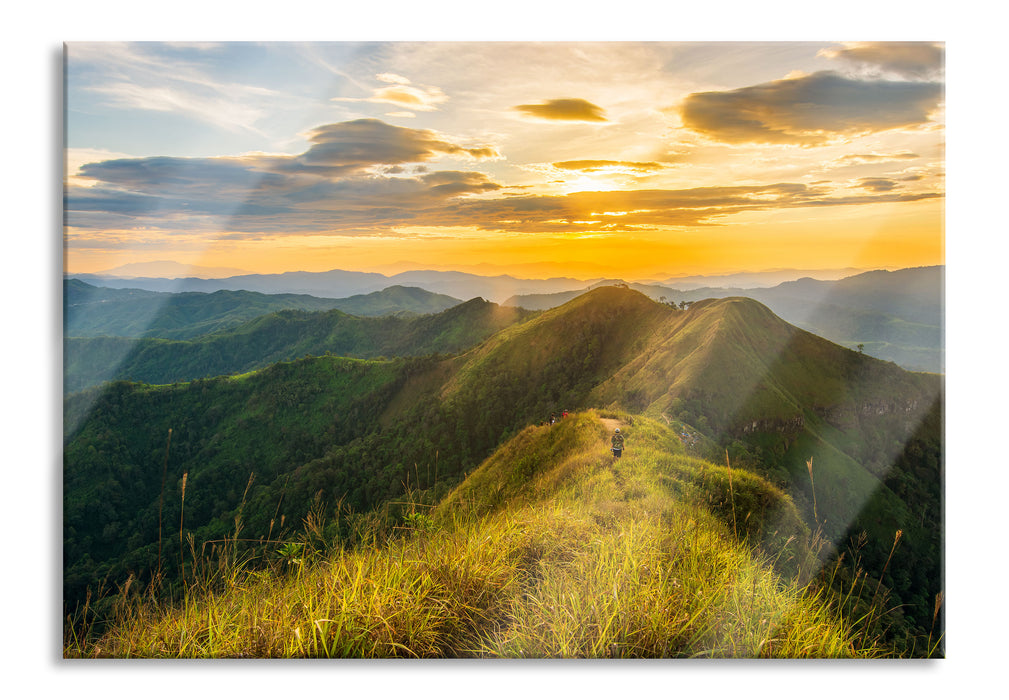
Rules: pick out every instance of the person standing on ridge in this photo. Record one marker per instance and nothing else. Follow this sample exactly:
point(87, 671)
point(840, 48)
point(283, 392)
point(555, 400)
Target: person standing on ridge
point(617, 444)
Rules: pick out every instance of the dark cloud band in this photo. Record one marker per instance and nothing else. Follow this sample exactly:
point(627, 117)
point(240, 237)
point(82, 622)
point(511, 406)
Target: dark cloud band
point(809, 110)
point(367, 176)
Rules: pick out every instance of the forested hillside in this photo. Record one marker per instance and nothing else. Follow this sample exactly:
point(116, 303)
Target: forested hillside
point(855, 443)
point(90, 311)
point(279, 336)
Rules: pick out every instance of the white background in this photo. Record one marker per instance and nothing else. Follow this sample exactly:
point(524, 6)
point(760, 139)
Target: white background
point(976, 359)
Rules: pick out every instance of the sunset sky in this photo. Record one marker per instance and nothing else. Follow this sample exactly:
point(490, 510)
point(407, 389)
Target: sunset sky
point(640, 160)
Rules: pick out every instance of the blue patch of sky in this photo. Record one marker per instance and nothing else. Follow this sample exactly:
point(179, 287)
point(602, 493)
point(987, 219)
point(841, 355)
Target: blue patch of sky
point(305, 77)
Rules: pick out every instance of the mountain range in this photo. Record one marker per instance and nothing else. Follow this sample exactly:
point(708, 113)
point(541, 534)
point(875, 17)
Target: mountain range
point(343, 283)
point(893, 315)
point(173, 277)
point(282, 335)
point(90, 311)
point(854, 442)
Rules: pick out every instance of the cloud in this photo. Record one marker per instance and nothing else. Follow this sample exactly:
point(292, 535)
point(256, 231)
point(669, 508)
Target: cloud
point(423, 99)
point(809, 109)
point(635, 210)
point(565, 109)
point(907, 59)
point(878, 184)
point(353, 174)
point(375, 204)
point(865, 158)
point(367, 176)
point(401, 93)
point(392, 78)
point(591, 166)
point(182, 176)
point(337, 150)
point(348, 147)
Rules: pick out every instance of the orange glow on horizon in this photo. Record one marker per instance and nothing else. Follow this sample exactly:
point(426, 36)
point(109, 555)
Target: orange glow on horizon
point(902, 236)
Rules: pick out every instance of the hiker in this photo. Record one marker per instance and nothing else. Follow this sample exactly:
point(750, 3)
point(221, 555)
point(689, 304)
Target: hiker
point(553, 418)
point(617, 443)
point(565, 413)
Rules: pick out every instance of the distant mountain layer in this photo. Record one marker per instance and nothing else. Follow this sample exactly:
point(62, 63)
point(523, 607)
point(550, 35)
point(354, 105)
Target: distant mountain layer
point(336, 284)
point(283, 335)
point(895, 316)
point(749, 280)
point(136, 313)
point(396, 300)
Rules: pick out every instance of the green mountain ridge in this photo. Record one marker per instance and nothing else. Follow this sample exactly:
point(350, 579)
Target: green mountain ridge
point(727, 376)
point(275, 337)
point(136, 313)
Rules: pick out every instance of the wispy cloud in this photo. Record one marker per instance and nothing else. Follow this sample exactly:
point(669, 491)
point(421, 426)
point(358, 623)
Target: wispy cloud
point(423, 99)
point(592, 166)
point(139, 77)
point(227, 107)
point(866, 158)
point(401, 92)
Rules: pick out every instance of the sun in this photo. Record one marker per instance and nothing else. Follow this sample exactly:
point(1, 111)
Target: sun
point(592, 182)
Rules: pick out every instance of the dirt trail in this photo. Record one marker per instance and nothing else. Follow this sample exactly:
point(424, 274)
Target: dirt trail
point(611, 423)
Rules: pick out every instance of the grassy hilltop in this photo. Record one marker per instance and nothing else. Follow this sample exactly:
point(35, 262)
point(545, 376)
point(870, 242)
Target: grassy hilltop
point(549, 549)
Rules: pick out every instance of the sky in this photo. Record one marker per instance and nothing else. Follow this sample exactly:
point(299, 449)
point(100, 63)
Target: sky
point(633, 159)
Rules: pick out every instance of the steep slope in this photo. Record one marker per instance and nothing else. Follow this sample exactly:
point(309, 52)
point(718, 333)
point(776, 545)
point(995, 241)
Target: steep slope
point(561, 354)
point(747, 366)
point(131, 444)
point(738, 373)
point(893, 315)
